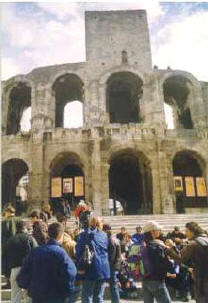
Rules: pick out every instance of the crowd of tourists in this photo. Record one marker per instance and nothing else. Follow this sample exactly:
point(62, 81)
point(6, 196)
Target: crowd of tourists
point(50, 263)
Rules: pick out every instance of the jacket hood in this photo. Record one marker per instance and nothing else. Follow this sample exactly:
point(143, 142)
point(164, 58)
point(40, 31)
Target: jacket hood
point(98, 236)
point(203, 241)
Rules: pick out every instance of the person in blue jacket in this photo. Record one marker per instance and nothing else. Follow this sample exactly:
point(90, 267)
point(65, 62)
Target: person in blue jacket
point(138, 237)
point(48, 273)
point(95, 276)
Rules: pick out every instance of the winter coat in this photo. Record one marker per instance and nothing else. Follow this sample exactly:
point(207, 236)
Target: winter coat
point(196, 251)
point(18, 247)
point(48, 273)
point(97, 240)
point(114, 253)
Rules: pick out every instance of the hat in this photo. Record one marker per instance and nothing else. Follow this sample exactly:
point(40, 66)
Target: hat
point(150, 226)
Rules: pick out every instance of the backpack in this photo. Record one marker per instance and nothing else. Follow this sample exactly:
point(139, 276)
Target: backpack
point(85, 261)
point(158, 261)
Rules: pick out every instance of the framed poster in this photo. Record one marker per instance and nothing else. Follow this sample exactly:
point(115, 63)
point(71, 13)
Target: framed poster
point(190, 189)
point(201, 187)
point(67, 185)
point(56, 187)
point(178, 183)
point(79, 186)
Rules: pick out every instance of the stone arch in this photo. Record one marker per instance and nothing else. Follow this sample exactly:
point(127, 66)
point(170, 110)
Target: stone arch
point(66, 88)
point(18, 97)
point(13, 170)
point(189, 169)
point(171, 73)
point(124, 91)
point(178, 92)
point(68, 166)
point(105, 75)
point(130, 180)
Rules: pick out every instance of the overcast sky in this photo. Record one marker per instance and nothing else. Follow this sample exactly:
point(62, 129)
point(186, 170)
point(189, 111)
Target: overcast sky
point(39, 34)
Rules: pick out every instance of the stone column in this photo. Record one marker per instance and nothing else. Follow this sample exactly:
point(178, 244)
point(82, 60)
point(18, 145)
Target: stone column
point(105, 187)
point(96, 176)
point(36, 175)
point(167, 197)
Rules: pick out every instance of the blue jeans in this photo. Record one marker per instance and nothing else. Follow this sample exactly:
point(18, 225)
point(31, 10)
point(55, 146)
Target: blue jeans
point(93, 291)
point(115, 297)
point(157, 290)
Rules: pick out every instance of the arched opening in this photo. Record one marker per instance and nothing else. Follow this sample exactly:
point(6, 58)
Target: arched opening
point(67, 180)
point(25, 122)
point(189, 181)
point(177, 90)
point(19, 100)
point(67, 88)
point(124, 91)
point(15, 181)
point(130, 182)
point(73, 114)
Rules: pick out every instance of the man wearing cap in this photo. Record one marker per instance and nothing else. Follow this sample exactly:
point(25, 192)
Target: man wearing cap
point(155, 264)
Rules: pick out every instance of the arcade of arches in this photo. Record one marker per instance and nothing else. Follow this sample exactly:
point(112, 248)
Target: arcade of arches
point(129, 180)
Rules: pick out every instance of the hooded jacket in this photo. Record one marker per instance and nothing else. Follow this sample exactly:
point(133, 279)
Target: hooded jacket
point(98, 243)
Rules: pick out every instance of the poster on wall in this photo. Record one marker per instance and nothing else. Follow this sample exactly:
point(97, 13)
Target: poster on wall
point(201, 187)
point(79, 186)
point(190, 189)
point(67, 185)
point(56, 187)
point(178, 183)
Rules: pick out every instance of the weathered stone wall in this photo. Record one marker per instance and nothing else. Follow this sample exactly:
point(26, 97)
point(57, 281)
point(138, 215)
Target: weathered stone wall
point(95, 143)
point(109, 33)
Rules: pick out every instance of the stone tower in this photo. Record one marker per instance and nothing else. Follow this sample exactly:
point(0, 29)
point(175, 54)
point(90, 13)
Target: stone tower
point(111, 34)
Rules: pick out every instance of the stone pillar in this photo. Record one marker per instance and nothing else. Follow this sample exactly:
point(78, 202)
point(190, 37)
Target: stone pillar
point(36, 175)
point(105, 188)
point(104, 115)
point(156, 194)
point(167, 196)
point(96, 176)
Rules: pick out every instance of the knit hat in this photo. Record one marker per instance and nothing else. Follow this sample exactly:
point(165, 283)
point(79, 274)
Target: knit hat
point(150, 226)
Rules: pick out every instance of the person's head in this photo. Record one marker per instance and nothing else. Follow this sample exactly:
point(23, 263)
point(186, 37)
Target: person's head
point(139, 229)
point(176, 229)
point(169, 242)
point(193, 230)
point(34, 216)
point(61, 219)
point(107, 229)
point(9, 211)
point(123, 230)
point(56, 232)
point(21, 226)
point(151, 230)
point(95, 222)
point(46, 207)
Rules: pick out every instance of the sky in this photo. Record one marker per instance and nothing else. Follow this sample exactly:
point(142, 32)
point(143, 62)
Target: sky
point(38, 34)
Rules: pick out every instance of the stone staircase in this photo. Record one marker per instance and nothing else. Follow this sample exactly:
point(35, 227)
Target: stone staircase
point(166, 221)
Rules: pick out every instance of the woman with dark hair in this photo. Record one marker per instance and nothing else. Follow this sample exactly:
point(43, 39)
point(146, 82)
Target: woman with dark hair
point(195, 251)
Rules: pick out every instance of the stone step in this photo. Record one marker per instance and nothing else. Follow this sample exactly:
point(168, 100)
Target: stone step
point(6, 294)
